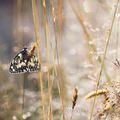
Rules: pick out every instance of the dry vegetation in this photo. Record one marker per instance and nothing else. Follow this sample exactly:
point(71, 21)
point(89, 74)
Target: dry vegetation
point(77, 44)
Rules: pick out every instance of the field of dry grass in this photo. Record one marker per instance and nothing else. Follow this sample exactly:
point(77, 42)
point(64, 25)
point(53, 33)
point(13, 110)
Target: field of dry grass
point(77, 46)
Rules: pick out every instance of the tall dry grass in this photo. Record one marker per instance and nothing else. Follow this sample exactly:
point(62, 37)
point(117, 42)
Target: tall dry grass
point(64, 64)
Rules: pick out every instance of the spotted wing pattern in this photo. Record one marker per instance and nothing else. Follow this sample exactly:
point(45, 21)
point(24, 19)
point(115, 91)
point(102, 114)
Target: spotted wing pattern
point(24, 63)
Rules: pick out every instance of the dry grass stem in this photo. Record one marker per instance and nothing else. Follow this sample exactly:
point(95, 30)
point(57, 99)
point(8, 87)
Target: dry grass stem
point(57, 31)
point(37, 37)
point(50, 117)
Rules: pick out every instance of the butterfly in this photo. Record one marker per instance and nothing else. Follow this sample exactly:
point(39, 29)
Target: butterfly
point(25, 61)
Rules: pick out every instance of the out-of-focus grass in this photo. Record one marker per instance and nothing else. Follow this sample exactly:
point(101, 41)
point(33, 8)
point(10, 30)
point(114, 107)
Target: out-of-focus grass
point(71, 38)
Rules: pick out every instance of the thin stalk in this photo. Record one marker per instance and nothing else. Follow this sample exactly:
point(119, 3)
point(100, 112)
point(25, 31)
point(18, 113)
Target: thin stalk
point(57, 31)
point(54, 25)
point(60, 2)
point(102, 64)
point(117, 46)
point(19, 40)
point(59, 53)
point(117, 39)
point(37, 36)
point(50, 117)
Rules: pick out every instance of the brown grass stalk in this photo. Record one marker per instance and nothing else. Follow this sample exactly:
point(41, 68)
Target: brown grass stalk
point(38, 40)
point(57, 30)
point(54, 24)
point(19, 42)
point(50, 116)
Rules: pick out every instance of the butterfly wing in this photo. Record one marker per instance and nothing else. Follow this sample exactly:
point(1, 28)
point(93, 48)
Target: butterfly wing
point(24, 63)
point(33, 64)
point(19, 63)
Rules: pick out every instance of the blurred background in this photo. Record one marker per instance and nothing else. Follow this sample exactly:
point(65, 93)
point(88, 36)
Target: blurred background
point(72, 38)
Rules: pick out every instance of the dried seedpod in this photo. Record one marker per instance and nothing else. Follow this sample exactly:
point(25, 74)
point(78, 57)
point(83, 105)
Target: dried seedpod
point(74, 97)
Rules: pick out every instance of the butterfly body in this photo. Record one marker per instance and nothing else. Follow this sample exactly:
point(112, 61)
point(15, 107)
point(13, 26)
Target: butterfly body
point(24, 61)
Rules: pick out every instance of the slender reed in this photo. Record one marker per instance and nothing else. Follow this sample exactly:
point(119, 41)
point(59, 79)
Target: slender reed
point(117, 44)
point(19, 40)
point(50, 117)
point(37, 38)
point(57, 31)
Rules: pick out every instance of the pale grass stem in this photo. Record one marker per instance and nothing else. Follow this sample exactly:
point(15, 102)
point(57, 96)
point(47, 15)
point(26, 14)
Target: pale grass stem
point(50, 116)
point(57, 31)
point(19, 40)
point(37, 37)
